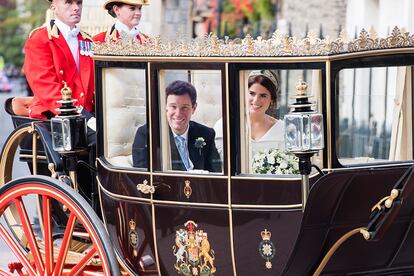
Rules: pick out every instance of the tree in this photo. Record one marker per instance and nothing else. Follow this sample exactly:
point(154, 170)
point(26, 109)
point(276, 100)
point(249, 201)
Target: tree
point(15, 25)
point(246, 14)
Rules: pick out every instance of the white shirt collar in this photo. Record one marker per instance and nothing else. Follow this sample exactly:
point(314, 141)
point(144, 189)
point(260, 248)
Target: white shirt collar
point(121, 27)
point(184, 135)
point(65, 29)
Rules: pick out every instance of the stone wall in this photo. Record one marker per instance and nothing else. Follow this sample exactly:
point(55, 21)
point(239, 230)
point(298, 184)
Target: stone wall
point(177, 18)
point(314, 13)
point(94, 18)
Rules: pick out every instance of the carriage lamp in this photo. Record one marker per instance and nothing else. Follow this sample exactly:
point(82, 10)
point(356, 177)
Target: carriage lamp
point(69, 127)
point(303, 134)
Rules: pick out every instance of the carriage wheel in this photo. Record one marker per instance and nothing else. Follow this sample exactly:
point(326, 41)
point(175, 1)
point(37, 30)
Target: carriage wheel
point(83, 249)
point(8, 156)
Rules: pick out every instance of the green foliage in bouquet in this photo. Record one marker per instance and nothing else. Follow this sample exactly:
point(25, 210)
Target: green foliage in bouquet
point(275, 161)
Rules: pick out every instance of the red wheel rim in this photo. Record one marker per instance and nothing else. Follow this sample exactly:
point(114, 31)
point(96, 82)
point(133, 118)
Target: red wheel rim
point(47, 265)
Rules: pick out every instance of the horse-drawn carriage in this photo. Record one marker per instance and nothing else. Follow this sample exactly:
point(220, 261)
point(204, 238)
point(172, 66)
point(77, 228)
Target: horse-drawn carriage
point(109, 215)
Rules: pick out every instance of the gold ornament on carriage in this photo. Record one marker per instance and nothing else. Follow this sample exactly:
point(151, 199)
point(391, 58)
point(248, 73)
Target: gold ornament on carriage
point(277, 45)
point(66, 92)
point(192, 250)
point(133, 237)
point(267, 249)
point(187, 189)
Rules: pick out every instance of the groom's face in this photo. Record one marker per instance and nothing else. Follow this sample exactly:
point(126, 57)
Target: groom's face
point(179, 112)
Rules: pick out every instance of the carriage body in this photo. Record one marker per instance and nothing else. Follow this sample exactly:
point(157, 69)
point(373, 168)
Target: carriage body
point(236, 221)
point(242, 212)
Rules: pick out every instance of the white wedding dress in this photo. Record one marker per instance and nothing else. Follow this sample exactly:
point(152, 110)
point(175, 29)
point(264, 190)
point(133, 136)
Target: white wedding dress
point(273, 138)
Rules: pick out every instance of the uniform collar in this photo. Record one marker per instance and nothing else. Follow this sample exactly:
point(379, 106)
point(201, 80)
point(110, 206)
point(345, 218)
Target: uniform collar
point(121, 27)
point(65, 29)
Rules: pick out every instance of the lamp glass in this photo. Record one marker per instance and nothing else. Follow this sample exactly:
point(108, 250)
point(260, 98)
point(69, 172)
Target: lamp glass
point(303, 132)
point(61, 137)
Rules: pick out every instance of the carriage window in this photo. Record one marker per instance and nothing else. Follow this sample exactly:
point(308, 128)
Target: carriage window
point(190, 106)
point(124, 93)
point(264, 100)
point(374, 108)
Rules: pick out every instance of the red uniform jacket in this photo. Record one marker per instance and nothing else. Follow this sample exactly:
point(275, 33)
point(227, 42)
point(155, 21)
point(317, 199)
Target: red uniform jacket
point(114, 35)
point(48, 62)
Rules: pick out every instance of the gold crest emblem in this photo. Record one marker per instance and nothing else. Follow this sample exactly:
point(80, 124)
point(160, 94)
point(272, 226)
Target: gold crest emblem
point(266, 248)
point(133, 237)
point(192, 250)
point(187, 189)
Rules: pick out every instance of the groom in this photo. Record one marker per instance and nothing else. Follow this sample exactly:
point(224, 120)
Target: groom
point(192, 144)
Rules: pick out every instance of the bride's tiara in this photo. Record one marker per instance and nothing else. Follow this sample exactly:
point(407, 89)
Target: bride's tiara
point(267, 74)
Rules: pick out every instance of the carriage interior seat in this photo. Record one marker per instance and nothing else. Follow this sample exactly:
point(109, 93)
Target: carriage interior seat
point(125, 111)
point(18, 106)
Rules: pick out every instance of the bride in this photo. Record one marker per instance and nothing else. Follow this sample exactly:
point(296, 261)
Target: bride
point(265, 130)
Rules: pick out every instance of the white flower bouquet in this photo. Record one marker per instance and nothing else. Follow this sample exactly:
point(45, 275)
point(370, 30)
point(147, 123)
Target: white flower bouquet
point(275, 161)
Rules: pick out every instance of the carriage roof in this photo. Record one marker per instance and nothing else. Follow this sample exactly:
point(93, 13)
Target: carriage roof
point(278, 47)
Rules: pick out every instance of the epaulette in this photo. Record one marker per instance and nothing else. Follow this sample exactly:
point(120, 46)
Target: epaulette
point(35, 30)
point(52, 30)
point(85, 35)
point(111, 34)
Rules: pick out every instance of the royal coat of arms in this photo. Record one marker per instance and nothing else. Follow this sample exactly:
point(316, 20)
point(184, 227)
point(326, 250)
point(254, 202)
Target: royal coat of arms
point(193, 252)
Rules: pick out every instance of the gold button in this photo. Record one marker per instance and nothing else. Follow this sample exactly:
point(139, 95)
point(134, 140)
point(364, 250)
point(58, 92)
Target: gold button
point(61, 72)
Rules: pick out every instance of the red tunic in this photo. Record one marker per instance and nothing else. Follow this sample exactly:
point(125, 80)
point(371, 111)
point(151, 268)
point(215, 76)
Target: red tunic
point(48, 62)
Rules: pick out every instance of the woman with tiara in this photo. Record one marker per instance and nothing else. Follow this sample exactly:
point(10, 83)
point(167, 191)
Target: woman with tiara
point(263, 87)
point(265, 130)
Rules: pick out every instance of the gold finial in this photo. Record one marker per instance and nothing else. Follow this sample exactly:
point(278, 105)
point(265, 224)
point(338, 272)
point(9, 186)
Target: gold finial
point(66, 92)
point(249, 41)
point(214, 45)
point(266, 235)
point(301, 88)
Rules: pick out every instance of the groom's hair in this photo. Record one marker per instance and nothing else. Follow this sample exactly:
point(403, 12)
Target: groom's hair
point(180, 88)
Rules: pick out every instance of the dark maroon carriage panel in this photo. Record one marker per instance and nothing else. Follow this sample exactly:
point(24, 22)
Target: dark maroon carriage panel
point(122, 183)
point(281, 227)
point(267, 192)
point(202, 190)
point(194, 225)
point(342, 201)
point(129, 225)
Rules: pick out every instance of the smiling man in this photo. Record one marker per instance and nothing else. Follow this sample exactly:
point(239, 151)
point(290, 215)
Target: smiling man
point(192, 144)
point(60, 52)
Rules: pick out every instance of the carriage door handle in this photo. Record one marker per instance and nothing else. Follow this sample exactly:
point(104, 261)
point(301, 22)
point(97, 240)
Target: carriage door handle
point(145, 188)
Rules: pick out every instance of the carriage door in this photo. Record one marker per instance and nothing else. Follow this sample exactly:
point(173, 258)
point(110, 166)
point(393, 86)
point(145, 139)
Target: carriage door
point(122, 109)
point(265, 185)
point(191, 186)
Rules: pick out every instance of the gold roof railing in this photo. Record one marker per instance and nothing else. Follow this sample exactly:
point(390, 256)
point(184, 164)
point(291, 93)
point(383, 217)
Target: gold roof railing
point(278, 44)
